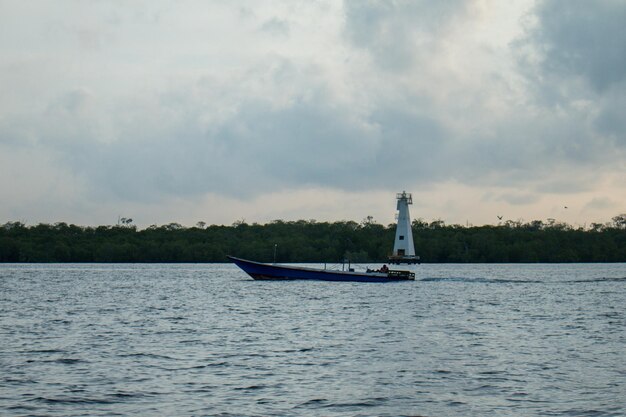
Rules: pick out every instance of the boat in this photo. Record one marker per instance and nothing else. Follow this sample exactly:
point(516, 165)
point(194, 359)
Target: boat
point(264, 271)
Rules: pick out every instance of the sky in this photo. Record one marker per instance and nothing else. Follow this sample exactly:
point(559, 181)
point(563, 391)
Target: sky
point(222, 111)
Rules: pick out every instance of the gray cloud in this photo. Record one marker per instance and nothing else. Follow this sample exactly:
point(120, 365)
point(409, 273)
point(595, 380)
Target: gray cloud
point(584, 39)
point(611, 119)
point(261, 149)
point(399, 33)
point(276, 27)
point(601, 203)
point(576, 62)
point(177, 103)
point(518, 199)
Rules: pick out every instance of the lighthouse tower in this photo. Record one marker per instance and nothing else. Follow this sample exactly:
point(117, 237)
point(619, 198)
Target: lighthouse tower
point(403, 247)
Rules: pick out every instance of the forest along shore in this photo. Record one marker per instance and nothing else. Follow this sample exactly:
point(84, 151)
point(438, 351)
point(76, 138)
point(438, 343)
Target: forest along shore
point(312, 241)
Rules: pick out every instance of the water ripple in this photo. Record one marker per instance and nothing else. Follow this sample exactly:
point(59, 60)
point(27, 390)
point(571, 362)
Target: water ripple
point(105, 340)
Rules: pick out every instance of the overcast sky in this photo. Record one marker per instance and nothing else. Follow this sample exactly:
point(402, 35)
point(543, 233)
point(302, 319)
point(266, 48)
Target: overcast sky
point(217, 111)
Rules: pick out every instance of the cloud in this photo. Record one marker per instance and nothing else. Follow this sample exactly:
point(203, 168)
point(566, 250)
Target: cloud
point(575, 59)
point(583, 39)
point(518, 199)
point(167, 103)
point(276, 27)
point(260, 149)
point(399, 34)
point(601, 203)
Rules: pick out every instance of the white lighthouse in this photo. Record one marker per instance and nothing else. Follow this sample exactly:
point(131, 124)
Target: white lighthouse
point(403, 246)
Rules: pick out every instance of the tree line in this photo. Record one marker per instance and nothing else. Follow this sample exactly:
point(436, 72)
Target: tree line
point(312, 241)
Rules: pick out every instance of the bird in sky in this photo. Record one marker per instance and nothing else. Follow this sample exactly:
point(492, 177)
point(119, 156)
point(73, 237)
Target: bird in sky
point(499, 217)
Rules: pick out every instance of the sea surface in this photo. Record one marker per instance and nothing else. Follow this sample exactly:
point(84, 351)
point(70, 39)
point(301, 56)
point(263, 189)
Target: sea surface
point(205, 339)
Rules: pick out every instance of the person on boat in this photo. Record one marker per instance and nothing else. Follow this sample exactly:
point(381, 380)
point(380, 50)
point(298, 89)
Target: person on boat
point(384, 269)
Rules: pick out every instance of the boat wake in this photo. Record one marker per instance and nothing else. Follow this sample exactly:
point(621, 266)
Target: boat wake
point(601, 279)
point(480, 280)
point(519, 281)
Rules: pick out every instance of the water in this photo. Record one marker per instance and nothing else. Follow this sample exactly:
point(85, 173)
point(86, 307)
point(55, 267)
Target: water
point(466, 340)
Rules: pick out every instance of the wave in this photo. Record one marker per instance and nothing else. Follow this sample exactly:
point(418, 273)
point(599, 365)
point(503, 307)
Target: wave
point(324, 403)
point(146, 355)
point(70, 361)
point(601, 279)
point(64, 361)
point(74, 400)
point(250, 388)
point(44, 351)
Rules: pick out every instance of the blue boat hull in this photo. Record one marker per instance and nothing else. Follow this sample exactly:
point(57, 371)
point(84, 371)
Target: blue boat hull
point(261, 271)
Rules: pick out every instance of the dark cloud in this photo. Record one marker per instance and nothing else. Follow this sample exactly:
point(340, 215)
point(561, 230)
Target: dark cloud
point(580, 38)
point(219, 100)
point(263, 149)
point(574, 59)
point(276, 27)
point(411, 148)
point(611, 119)
point(398, 33)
